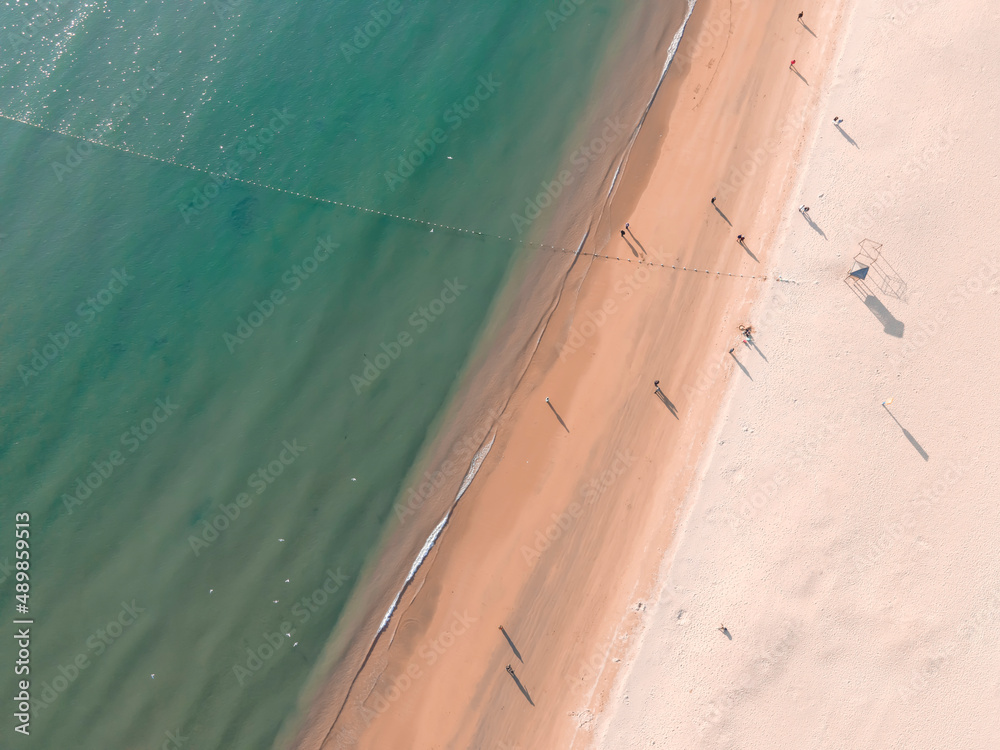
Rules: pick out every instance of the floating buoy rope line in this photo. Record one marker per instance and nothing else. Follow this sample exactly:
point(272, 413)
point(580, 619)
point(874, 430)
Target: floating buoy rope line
point(329, 201)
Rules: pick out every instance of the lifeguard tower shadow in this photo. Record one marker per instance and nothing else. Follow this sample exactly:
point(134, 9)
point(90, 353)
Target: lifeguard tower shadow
point(881, 274)
point(871, 271)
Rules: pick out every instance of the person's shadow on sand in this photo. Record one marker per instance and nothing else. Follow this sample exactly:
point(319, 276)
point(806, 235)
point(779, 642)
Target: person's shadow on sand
point(521, 687)
point(849, 139)
point(814, 225)
point(667, 402)
point(745, 370)
point(724, 217)
point(636, 240)
point(511, 644)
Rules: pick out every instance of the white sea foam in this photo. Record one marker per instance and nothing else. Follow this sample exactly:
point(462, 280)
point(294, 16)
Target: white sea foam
point(477, 461)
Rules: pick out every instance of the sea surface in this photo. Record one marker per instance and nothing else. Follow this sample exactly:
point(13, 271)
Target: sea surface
point(234, 303)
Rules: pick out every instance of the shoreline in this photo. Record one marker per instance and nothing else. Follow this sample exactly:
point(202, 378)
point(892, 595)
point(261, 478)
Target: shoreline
point(483, 451)
point(463, 424)
point(422, 614)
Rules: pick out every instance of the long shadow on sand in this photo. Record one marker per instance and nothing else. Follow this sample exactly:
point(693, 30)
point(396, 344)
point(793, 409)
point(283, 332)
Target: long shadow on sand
point(849, 139)
point(889, 322)
point(521, 687)
point(724, 217)
point(753, 343)
point(808, 29)
point(636, 240)
point(796, 72)
point(749, 252)
point(557, 415)
point(908, 436)
point(814, 225)
point(511, 644)
point(745, 370)
point(667, 402)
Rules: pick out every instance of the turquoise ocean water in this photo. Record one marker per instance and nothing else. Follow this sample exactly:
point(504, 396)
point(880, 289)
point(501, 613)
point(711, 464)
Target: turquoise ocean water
point(211, 392)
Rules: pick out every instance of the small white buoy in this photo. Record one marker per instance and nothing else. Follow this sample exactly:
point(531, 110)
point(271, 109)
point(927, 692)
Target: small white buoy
point(449, 157)
point(211, 590)
point(354, 479)
point(275, 601)
point(287, 580)
point(152, 677)
point(281, 540)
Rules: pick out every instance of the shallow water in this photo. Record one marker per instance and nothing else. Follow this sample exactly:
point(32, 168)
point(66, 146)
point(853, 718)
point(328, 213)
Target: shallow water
point(211, 392)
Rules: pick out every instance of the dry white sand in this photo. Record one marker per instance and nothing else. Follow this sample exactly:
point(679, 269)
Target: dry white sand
point(851, 550)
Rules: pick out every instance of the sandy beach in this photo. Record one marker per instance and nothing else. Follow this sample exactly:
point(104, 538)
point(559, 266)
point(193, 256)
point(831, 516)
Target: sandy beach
point(560, 538)
point(846, 544)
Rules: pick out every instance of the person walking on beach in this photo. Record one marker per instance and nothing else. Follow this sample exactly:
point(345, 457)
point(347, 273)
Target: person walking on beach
point(741, 239)
point(713, 200)
point(837, 121)
point(623, 234)
point(801, 13)
point(510, 670)
point(803, 209)
point(791, 66)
